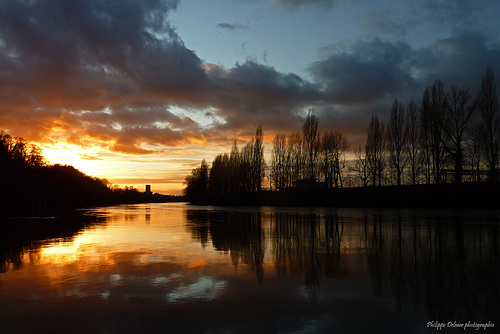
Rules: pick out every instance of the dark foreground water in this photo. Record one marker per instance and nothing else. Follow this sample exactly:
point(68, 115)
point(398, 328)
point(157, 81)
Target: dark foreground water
point(173, 268)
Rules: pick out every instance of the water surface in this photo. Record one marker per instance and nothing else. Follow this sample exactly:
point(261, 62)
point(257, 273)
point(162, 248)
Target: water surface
point(176, 268)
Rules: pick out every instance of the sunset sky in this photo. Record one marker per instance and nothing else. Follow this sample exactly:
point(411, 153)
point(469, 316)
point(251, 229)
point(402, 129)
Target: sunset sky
point(139, 92)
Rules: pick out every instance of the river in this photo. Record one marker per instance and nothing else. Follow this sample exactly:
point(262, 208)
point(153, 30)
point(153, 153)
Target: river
point(176, 268)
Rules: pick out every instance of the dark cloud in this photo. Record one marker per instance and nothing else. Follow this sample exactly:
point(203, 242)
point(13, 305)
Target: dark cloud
point(459, 14)
point(252, 93)
point(366, 76)
point(61, 57)
point(293, 4)
point(232, 26)
point(366, 72)
point(351, 120)
point(459, 60)
point(112, 71)
point(108, 71)
point(379, 22)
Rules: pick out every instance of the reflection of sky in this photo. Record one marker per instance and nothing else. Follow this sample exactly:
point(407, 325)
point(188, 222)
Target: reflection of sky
point(140, 252)
point(130, 271)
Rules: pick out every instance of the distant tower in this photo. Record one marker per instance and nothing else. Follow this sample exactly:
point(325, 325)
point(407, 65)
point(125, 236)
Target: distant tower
point(148, 189)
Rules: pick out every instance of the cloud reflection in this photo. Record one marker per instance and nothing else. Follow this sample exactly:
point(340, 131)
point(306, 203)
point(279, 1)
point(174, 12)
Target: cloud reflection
point(206, 287)
point(324, 271)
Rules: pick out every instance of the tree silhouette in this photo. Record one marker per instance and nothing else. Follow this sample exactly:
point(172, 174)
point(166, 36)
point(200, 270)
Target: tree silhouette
point(420, 144)
point(488, 107)
point(240, 171)
point(333, 146)
point(196, 190)
point(257, 163)
point(280, 163)
point(220, 180)
point(311, 143)
point(297, 156)
point(397, 140)
point(432, 112)
point(412, 135)
point(375, 150)
point(360, 166)
point(459, 110)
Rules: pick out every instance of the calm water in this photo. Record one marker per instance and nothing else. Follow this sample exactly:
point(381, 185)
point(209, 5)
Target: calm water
point(173, 268)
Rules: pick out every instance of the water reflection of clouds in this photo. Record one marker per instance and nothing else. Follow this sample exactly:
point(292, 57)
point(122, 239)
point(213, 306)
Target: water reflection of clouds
point(206, 287)
point(313, 273)
point(160, 281)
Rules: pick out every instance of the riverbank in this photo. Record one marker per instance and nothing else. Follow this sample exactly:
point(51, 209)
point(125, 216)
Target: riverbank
point(52, 190)
point(464, 195)
point(45, 206)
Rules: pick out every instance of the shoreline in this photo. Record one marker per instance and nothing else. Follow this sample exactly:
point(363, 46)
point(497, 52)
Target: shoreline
point(446, 196)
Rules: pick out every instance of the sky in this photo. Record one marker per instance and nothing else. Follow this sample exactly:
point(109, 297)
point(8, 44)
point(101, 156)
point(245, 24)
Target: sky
point(139, 92)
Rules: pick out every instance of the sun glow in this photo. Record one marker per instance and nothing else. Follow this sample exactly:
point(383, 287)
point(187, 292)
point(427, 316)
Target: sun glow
point(164, 170)
point(84, 160)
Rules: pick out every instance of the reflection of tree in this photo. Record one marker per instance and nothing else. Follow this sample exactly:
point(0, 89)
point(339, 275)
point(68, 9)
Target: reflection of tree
point(295, 248)
point(492, 274)
point(308, 245)
point(21, 239)
point(453, 266)
point(238, 233)
point(445, 264)
point(334, 229)
point(375, 253)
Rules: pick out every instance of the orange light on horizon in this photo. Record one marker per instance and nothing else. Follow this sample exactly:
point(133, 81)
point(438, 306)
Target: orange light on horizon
point(165, 169)
point(165, 173)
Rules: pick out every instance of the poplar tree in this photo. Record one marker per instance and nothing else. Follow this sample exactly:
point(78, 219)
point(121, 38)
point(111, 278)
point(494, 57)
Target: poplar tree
point(374, 149)
point(311, 143)
point(490, 125)
point(397, 140)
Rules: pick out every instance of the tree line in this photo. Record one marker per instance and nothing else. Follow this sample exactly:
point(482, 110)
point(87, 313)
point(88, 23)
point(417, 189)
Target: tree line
point(32, 186)
point(451, 136)
point(240, 171)
point(16, 152)
point(308, 156)
point(305, 155)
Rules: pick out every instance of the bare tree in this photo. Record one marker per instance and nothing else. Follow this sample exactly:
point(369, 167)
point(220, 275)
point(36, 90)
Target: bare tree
point(245, 168)
point(475, 150)
point(412, 137)
point(297, 156)
point(397, 140)
point(19, 150)
point(374, 149)
point(432, 114)
point(488, 107)
point(458, 112)
point(311, 143)
point(234, 170)
point(280, 162)
point(6, 144)
point(425, 135)
point(333, 146)
point(257, 161)
point(360, 166)
point(34, 157)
